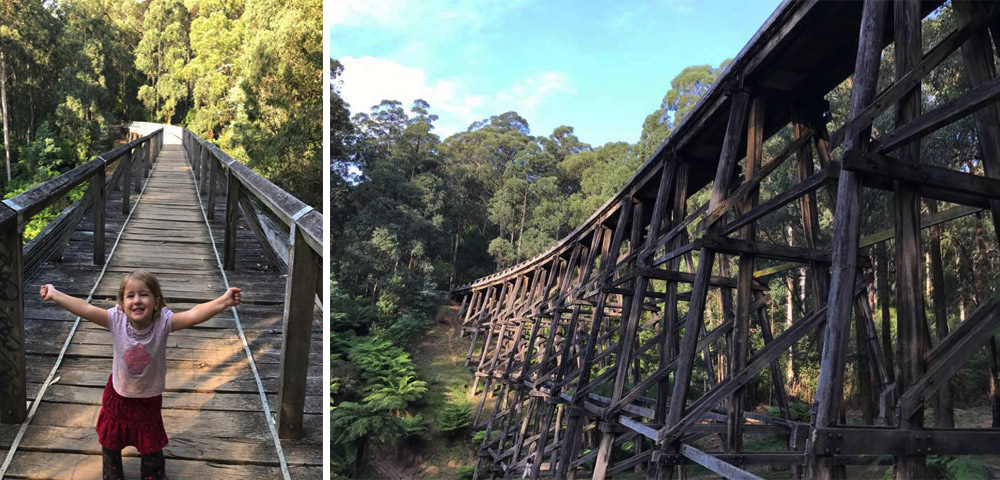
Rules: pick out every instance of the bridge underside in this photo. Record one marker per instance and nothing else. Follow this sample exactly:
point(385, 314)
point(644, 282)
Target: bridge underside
point(212, 405)
point(594, 345)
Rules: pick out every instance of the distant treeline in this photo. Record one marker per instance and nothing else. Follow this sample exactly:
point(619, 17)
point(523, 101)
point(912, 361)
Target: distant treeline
point(246, 75)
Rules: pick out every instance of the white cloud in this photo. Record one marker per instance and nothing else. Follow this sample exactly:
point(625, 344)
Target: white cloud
point(369, 80)
point(685, 7)
point(403, 14)
point(355, 12)
point(527, 94)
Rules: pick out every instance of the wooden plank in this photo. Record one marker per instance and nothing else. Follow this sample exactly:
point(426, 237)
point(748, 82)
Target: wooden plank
point(695, 319)
point(12, 343)
point(935, 182)
point(949, 355)
point(823, 177)
point(978, 97)
point(864, 440)
point(75, 466)
point(911, 328)
point(846, 227)
point(716, 465)
point(99, 195)
point(764, 250)
point(731, 384)
point(232, 217)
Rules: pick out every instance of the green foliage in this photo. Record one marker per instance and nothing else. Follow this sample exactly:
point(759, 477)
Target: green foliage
point(797, 410)
point(378, 407)
point(951, 468)
point(406, 328)
point(161, 55)
point(454, 418)
point(466, 472)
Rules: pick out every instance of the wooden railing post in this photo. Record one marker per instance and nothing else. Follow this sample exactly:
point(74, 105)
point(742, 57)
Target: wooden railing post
point(300, 294)
point(205, 159)
point(125, 165)
point(232, 216)
point(98, 192)
point(213, 169)
point(196, 159)
point(137, 168)
point(149, 158)
point(13, 378)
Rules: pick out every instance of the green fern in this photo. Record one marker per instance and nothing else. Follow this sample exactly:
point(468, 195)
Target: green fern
point(454, 418)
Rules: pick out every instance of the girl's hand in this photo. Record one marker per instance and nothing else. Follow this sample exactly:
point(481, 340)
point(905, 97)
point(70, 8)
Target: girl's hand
point(232, 297)
point(47, 292)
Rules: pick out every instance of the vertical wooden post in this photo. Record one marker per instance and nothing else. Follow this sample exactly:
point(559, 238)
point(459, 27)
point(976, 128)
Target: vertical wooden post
point(213, 170)
point(149, 157)
point(297, 321)
point(829, 389)
point(137, 154)
point(630, 327)
point(196, 161)
point(205, 165)
point(977, 55)
point(699, 289)
point(125, 165)
point(739, 348)
point(911, 325)
point(232, 217)
point(668, 316)
point(13, 376)
point(99, 194)
point(575, 421)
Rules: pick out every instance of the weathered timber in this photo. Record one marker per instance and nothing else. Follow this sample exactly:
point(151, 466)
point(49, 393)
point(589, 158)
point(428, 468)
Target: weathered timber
point(641, 302)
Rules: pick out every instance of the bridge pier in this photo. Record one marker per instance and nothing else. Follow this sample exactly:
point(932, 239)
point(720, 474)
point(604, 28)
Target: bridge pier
point(629, 388)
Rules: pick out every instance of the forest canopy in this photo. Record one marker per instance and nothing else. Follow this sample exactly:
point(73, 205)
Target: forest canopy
point(244, 75)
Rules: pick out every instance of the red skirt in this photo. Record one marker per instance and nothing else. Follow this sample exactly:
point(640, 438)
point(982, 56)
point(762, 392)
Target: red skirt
point(125, 421)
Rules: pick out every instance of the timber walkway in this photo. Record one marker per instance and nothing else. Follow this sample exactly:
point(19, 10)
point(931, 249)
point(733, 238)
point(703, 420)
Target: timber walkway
point(212, 408)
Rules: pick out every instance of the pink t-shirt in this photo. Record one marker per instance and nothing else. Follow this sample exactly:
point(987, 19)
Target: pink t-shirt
point(139, 368)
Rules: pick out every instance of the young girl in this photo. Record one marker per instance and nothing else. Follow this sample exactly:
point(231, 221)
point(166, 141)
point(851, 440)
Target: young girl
point(139, 324)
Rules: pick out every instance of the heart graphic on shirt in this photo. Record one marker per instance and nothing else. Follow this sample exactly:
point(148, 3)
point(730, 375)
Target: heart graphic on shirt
point(136, 359)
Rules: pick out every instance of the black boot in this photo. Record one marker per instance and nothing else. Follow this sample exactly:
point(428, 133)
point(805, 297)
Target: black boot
point(152, 467)
point(112, 461)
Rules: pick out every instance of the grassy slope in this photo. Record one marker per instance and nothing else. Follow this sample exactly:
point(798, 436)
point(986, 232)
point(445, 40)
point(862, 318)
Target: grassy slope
point(440, 357)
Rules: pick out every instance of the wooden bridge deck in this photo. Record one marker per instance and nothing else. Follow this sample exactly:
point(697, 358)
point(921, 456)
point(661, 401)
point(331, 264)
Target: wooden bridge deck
point(212, 407)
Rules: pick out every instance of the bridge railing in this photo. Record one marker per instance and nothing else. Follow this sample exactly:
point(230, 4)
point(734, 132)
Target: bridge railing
point(129, 163)
point(291, 235)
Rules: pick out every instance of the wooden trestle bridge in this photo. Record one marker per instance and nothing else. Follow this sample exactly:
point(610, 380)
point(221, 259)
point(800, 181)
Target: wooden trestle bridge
point(549, 333)
point(244, 392)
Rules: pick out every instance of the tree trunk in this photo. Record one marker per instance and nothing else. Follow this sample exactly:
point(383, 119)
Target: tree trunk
point(944, 411)
point(360, 459)
point(789, 319)
point(3, 108)
point(863, 370)
point(524, 212)
point(882, 282)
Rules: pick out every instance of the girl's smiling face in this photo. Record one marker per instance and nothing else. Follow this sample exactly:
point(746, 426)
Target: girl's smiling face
point(139, 303)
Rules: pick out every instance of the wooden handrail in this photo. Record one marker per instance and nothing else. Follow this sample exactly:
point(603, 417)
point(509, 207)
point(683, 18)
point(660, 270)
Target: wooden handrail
point(280, 203)
point(303, 262)
point(17, 260)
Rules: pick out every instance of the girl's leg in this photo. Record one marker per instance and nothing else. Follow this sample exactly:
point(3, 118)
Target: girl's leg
point(152, 467)
point(112, 464)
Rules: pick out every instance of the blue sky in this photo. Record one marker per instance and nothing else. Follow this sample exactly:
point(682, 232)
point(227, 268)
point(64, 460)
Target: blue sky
point(598, 66)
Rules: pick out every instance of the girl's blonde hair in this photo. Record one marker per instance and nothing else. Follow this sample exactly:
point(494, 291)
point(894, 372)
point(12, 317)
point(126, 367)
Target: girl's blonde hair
point(150, 280)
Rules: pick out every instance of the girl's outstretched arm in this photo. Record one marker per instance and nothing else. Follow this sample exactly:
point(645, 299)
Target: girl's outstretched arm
point(75, 305)
point(206, 310)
